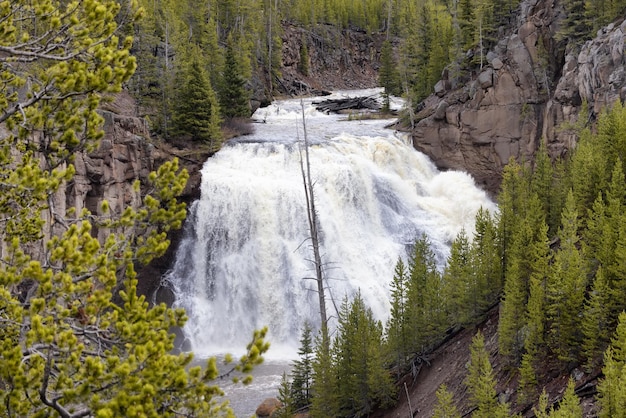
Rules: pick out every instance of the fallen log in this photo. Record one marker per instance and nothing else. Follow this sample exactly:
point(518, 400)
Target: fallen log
point(336, 105)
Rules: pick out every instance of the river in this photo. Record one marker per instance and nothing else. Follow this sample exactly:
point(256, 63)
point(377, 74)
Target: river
point(245, 257)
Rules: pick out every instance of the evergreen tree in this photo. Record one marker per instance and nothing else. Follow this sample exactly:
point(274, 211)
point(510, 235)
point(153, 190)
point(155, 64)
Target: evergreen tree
point(196, 110)
point(486, 254)
point(445, 407)
point(459, 276)
point(80, 341)
point(302, 372)
point(399, 339)
point(303, 64)
point(569, 407)
point(387, 76)
point(426, 310)
point(566, 287)
point(596, 322)
point(233, 96)
point(362, 381)
point(324, 402)
point(535, 312)
point(481, 383)
point(576, 26)
point(285, 397)
point(611, 390)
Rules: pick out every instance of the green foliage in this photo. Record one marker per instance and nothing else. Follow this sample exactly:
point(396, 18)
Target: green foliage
point(196, 109)
point(302, 373)
point(66, 348)
point(566, 287)
point(362, 381)
point(445, 407)
point(387, 75)
point(481, 383)
point(303, 64)
point(611, 390)
point(569, 406)
point(234, 98)
point(399, 333)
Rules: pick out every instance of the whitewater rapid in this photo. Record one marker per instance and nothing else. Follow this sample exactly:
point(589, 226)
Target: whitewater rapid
point(244, 261)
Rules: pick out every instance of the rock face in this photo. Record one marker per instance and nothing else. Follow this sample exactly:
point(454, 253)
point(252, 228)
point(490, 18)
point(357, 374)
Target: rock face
point(529, 89)
point(338, 59)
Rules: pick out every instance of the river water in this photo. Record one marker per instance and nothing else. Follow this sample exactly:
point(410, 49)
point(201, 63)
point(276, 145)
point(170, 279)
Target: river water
point(245, 255)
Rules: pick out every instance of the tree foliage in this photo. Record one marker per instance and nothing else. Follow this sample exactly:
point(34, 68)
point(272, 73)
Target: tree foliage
point(76, 339)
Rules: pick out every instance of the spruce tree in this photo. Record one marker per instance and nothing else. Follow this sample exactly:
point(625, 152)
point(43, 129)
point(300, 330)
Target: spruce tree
point(234, 98)
point(196, 110)
point(387, 77)
point(362, 381)
point(399, 340)
point(569, 407)
point(535, 313)
point(302, 372)
point(459, 276)
point(566, 287)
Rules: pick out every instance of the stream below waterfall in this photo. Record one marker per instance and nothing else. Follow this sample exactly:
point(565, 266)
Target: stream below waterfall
point(245, 257)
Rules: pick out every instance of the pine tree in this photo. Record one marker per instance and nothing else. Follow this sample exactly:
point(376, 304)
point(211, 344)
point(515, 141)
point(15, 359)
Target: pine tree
point(611, 392)
point(481, 383)
point(569, 407)
point(196, 110)
point(399, 340)
point(445, 407)
point(302, 372)
point(566, 287)
point(535, 312)
point(285, 398)
point(426, 310)
point(324, 402)
point(233, 95)
point(362, 381)
point(486, 254)
point(596, 322)
point(387, 76)
point(80, 341)
point(459, 276)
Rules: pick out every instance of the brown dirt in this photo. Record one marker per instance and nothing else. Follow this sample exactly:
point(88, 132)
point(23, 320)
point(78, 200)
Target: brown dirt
point(448, 365)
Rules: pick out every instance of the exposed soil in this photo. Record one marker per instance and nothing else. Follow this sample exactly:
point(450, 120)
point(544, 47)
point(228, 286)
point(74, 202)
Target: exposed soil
point(448, 364)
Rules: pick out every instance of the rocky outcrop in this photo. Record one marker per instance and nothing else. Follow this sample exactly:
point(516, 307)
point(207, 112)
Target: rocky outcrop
point(530, 89)
point(338, 59)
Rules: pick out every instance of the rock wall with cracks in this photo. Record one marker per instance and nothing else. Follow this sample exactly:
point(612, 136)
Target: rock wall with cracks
point(530, 89)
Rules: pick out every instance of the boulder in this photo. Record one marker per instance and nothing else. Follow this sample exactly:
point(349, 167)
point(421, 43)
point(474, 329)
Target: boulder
point(268, 407)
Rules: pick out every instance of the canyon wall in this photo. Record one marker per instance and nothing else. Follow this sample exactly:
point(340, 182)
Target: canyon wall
point(530, 89)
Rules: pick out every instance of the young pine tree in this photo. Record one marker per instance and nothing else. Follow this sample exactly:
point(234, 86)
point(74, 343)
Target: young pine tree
point(399, 341)
point(612, 389)
point(481, 382)
point(362, 381)
point(445, 407)
point(302, 372)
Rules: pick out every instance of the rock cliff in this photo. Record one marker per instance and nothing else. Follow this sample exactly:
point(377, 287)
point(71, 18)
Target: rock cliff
point(530, 89)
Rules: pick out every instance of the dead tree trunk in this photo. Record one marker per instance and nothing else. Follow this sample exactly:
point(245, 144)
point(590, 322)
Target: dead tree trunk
point(309, 193)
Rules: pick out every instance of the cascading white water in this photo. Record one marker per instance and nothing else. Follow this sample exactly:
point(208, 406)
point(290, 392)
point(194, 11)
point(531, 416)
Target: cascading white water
point(245, 257)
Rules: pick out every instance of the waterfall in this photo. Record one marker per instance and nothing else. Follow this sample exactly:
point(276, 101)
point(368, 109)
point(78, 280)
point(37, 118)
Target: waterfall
point(245, 260)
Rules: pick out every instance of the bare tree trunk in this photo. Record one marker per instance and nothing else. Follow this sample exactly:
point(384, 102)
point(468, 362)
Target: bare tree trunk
point(313, 224)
